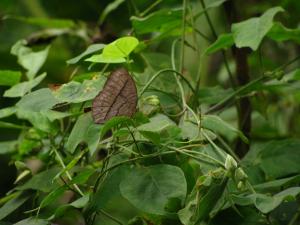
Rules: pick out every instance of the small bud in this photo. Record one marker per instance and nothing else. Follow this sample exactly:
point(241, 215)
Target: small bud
point(240, 175)
point(152, 100)
point(279, 74)
point(241, 185)
point(230, 163)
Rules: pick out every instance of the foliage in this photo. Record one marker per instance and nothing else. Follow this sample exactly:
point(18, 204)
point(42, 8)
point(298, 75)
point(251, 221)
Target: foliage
point(215, 139)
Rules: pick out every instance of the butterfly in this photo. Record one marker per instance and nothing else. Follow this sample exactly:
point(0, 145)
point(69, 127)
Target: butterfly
point(117, 98)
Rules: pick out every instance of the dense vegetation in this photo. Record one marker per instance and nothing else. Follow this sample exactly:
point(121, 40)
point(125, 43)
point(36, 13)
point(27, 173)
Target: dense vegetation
point(215, 137)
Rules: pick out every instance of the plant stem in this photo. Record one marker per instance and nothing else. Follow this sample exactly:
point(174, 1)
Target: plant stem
point(67, 172)
point(184, 6)
point(146, 11)
point(110, 217)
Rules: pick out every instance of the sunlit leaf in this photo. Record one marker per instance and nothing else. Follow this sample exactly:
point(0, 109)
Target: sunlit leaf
point(91, 49)
point(21, 89)
point(32, 61)
point(250, 33)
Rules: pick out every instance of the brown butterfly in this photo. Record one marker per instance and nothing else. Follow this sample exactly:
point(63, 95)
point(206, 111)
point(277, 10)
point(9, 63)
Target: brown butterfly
point(117, 98)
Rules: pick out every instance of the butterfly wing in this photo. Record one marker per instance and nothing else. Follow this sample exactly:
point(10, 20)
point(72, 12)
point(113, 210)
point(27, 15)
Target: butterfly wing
point(118, 97)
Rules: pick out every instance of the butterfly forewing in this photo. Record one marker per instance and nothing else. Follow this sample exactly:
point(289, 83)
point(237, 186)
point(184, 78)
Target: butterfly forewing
point(118, 97)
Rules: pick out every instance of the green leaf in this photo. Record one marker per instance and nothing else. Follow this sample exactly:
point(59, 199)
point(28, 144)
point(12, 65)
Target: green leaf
point(84, 130)
point(6, 112)
point(81, 202)
point(9, 77)
point(281, 33)
point(41, 181)
point(7, 147)
point(21, 89)
point(109, 189)
point(30, 60)
point(153, 187)
point(33, 221)
point(38, 119)
point(40, 100)
point(202, 200)
point(13, 204)
point(75, 92)
point(47, 22)
point(275, 184)
point(216, 124)
point(55, 115)
point(250, 33)
point(267, 203)
point(91, 49)
point(275, 155)
point(117, 51)
point(154, 127)
point(109, 8)
point(105, 59)
point(223, 42)
point(10, 125)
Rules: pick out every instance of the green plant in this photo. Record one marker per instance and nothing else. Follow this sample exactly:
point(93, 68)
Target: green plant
point(199, 150)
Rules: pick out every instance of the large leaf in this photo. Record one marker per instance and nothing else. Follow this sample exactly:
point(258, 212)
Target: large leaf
point(84, 130)
point(109, 190)
point(40, 100)
point(13, 204)
point(9, 77)
point(154, 187)
point(75, 92)
point(279, 158)
point(30, 60)
point(21, 89)
point(251, 32)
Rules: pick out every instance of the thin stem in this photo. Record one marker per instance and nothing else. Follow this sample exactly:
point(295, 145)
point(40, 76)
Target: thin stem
point(208, 19)
point(218, 150)
point(184, 6)
point(158, 74)
point(110, 217)
point(186, 152)
point(211, 26)
point(146, 11)
point(134, 141)
point(60, 160)
point(227, 147)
